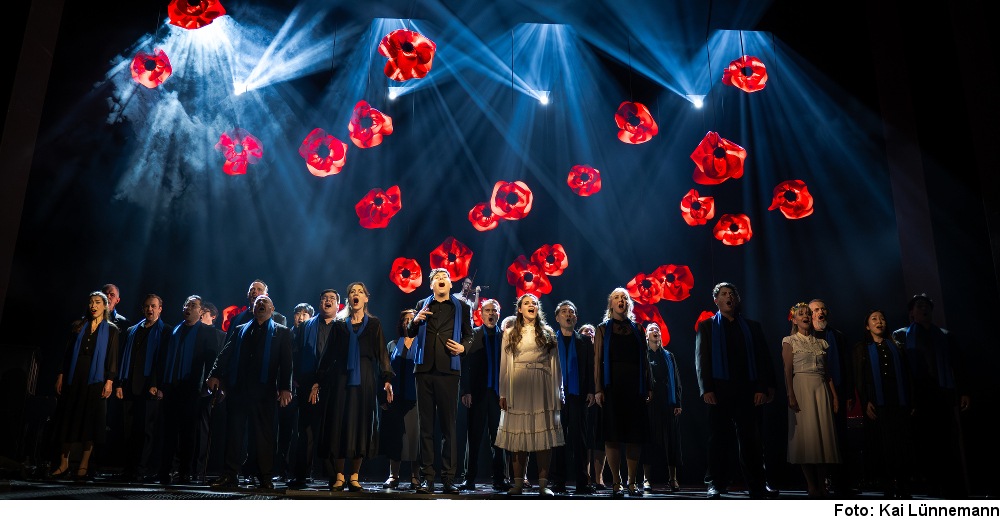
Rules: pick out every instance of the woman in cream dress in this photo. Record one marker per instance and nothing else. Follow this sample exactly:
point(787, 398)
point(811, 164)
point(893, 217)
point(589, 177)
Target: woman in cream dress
point(531, 393)
point(812, 401)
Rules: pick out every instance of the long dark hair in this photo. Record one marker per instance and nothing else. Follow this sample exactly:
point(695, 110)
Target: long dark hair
point(543, 333)
point(400, 329)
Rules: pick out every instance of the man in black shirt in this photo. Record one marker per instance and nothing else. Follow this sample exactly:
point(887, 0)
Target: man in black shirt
point(576, 357)
point(443, 328)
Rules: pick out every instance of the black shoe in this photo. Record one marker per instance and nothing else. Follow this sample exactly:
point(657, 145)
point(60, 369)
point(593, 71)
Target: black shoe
point(635, 491)
point(585, 489)
point(184, 480)
point(468, 486)
point(600, 487)
point(355, 487)
point(265, 485)
point(391, 483)
point(558, 488)
point(448, 488)
point(166, 480)
point(224, 482)
point(618, 491)
point(297, 483)
point(425, 488)
point(714, 492)
point(501, 486)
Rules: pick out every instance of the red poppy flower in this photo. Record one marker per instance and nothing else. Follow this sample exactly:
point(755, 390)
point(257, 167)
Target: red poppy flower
point(480, 220)
point(511, 200)
point(635, 123)
point(192, 14)
point(647, 313)
point(368, 126)
point(705, 315)
point(453, 256)
point(677, 281)
point(405, 273)
point(410, 54)
point(733, 230)
point(378, 207)
point(324, 154)
point(584, 180)
point(717, 160)
point(645, 289)
point(552, 259)
point(477, 315)
point(793, 199)
point(229, 313)
point(747, 73)
point(239, 148)
point(697, 210)
point(151, 70)
point(528, 278)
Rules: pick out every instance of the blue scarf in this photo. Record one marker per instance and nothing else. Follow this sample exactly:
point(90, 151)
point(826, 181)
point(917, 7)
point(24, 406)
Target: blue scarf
point(234, 361)
point(456, 361)
point(939, 344)
point(185, 352)
point(833, 357)
point(354, 353)
point(403, 377)
point(309, 357)
point(96, 374)
point(571, 376)
point(492, 359)
point(152, 345)
point(877, 373)
point(720, 360)
point(607, 354)
point(671, 384)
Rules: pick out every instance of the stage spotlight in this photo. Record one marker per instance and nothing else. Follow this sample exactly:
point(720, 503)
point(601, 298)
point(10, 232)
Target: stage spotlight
point(395, 92)
point(541, 95)
point(696, 100)
point(240, 88)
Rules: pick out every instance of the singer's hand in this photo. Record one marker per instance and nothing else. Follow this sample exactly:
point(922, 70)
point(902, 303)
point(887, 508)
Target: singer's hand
point(422, 315)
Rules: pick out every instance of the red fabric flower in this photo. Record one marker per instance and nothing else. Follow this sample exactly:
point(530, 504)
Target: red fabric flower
point(480, 220)
point(733, 230)
point(239, 148)
point(477, 315)
point(793, 199)
point(635, 123)
point(192, 14)
point(645, 289)
point(747, 73)
point(410, 54)
point(368, 126)
point(705, 315)
point(697, 210)
point(324, 154)
point(405, 273)
point(717, 160)
point(151, 70)
point(378, 207)
point(527, 277)
point(511, 200)
point(676, 281)
point(453, 256)
point(647, 313)
point(584, 180)
point(552, 259)
point(229, 313)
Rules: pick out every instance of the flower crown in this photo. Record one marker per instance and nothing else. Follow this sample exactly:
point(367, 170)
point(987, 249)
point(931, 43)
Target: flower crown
point(791, 312)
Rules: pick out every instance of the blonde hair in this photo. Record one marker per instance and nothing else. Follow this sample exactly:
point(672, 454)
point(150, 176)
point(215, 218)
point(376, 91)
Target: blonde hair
point(793, 310)
point(628, 301)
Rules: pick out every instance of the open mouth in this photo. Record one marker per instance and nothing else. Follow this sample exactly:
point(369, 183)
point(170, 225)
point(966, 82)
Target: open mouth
point(356, 300)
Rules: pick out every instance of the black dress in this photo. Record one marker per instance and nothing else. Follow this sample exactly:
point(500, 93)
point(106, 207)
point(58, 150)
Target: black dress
point(664, 442)
point(81, 414)
point(624, 415)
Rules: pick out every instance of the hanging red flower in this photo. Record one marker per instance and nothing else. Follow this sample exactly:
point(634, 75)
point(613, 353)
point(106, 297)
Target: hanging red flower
point(453, 256)
point(584, 180)
point(410, 54)
point(647, 313)
point(733, 230)
point(229, 313)
point(324, 154)
point(676, 281)
point(480, 220)
point(527, 277)
point(697, 210)
point(747, 73)
point(405, 273)
point(717, 160)
point(635, 123)
point(151, 70)
point(705, 315)
point(511, 200)
point(368, 126)
point(240, 148)
point(192, 14)
point(793, 199)
point(378, 207)
point(477, 315)
point(552, 259)
point(644, 289)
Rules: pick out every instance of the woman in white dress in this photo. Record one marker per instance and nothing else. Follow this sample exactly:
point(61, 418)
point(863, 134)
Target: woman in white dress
point(812, 401)
point(531, 393)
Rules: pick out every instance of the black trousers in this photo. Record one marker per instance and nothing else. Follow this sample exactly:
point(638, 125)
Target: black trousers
point(571, 458)
point(208, 412)
point(735, 412)
point(437, 397)
point(287, 422)
point(139, 417)
point(310, 426)
point(253, 415)
point(180, 423)
point(484, 420)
